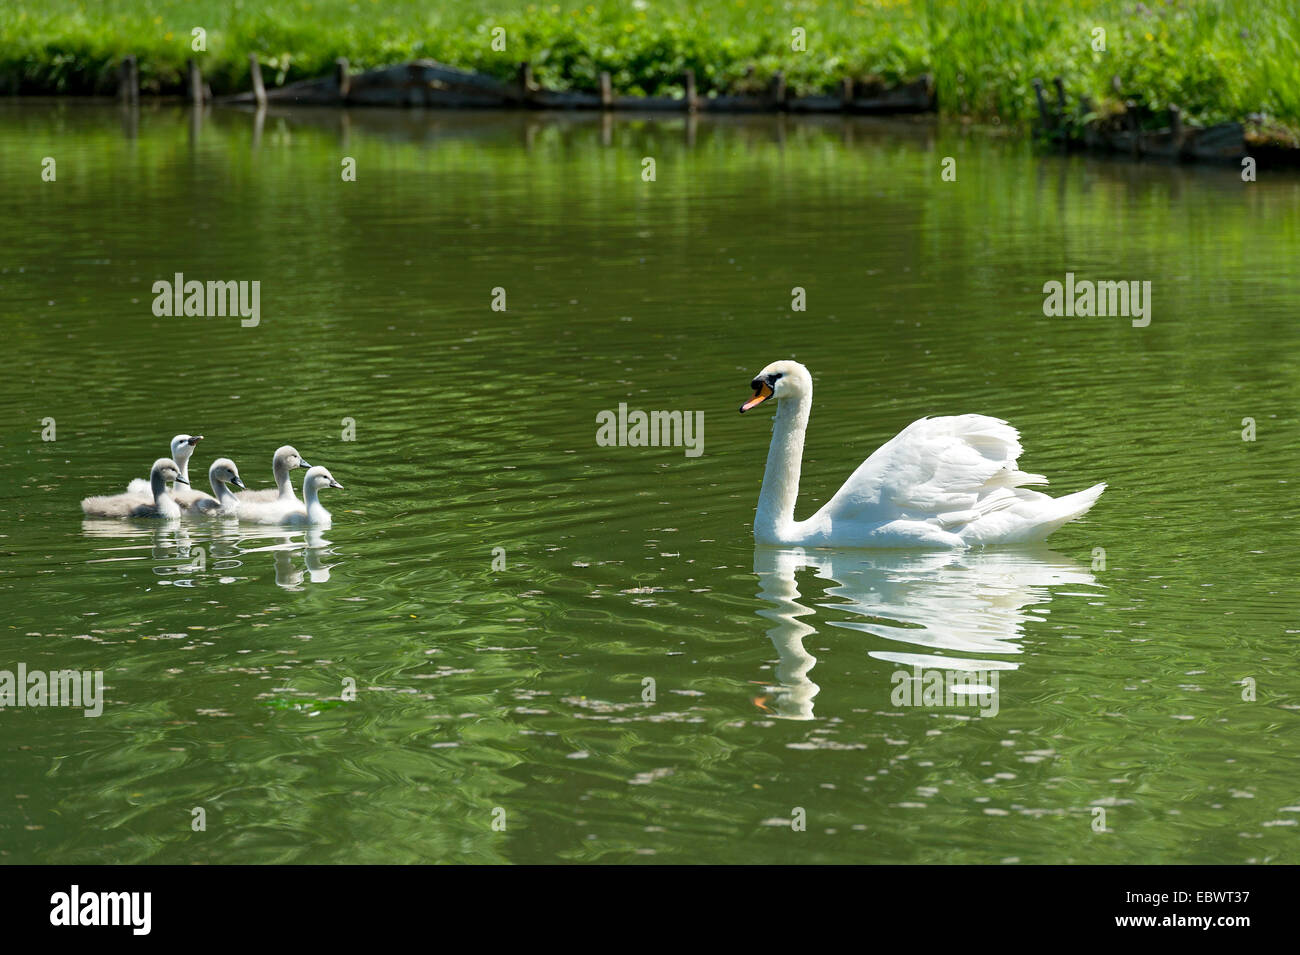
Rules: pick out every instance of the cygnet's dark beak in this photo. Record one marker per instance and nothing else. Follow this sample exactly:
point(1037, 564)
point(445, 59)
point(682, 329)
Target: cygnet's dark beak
point(181, 480)
point(303, 464)
point(334, 483)
point(238, 483)
point(195, 439)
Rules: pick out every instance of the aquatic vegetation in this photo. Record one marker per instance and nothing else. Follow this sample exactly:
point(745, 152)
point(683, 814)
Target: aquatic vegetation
point(1216, 60)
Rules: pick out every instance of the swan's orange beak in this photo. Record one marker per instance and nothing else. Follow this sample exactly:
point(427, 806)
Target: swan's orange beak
point(762, 391)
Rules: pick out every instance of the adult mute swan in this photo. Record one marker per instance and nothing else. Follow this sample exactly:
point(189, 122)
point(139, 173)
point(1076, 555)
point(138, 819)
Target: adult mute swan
point(223, 502)
point(182, 448)
point(285, 460)
point(133, 505)
point(939, 483)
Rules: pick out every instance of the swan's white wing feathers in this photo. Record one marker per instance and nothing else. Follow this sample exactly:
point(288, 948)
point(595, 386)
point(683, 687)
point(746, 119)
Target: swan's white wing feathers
point(949, 469)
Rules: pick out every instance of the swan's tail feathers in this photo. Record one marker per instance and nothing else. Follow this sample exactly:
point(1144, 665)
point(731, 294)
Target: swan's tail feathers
point(1066, 509)
point(1080, 502)
point(1021, 516)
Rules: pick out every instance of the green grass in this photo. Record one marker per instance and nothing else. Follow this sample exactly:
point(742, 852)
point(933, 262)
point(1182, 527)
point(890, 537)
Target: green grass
point(1217, 59)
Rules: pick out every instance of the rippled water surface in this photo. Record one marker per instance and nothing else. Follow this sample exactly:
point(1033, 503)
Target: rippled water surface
point(638, 682)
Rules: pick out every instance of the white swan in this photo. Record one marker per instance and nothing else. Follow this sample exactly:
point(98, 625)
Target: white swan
point(182, 448)
point(223, 502)
point(940, 483)
point(312, 511)
point(285, 460)
point(135, 505)
point(308, 511)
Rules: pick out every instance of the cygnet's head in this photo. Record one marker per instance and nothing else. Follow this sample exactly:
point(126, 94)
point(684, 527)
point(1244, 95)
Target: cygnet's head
point(318, 478)
point(781, 379)
point(223, 470)
point(183, 446)
point(287, 458)
point(168, 470)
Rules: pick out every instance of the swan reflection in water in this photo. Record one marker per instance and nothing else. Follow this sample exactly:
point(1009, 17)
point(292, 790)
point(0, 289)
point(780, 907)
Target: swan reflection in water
point(183, 559)
point(944, 612)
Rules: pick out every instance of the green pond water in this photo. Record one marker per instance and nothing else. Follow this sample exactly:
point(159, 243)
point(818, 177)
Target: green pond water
point(570, 652)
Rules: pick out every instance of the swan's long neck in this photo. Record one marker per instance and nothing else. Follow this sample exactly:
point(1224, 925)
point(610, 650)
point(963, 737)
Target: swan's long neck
point(282, 481)
point(158, 485)
point(183, 459)
point(315, 509)
point(161, 499)
point(775, 516)
point(222, 492)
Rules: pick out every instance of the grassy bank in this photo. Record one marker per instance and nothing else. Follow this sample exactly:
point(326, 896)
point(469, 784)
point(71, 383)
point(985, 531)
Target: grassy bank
point(1217, 59)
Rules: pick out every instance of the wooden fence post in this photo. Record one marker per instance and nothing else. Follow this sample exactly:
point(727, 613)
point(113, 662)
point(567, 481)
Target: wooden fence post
point(525, 80)
point(1043, 115)
point(255, 74)
point(606, 91)
point(128, 81)
point(195, 81)
point(777, 90)
point(341, 77)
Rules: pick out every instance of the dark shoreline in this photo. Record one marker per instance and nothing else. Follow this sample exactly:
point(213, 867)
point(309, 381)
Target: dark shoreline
point(1132, 131)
